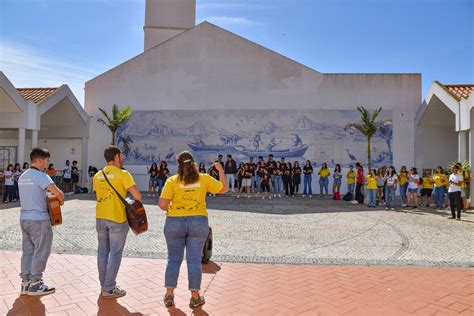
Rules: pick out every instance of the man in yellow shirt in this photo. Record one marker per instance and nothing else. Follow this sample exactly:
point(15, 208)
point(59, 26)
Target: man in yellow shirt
point(111, 219)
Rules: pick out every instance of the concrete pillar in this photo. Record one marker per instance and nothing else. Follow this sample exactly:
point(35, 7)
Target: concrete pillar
point(471, 160)
point(462, 145)
point(21, 145)
point(84, 167)
point(34, 139)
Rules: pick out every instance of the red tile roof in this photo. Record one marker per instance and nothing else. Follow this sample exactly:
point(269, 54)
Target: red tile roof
point(459, 91)
point(36, 95)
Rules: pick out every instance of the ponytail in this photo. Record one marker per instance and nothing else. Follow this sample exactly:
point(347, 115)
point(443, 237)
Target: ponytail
point(187, 171)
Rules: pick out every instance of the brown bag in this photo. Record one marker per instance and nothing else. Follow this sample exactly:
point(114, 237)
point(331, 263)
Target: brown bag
point(136, 214)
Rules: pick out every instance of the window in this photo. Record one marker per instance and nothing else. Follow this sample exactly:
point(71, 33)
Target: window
point(7, 156)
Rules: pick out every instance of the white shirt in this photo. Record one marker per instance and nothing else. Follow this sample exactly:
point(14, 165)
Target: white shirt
point(67, 172)
point(391, 180)
point(8, 181)
point(413, 181)
point(455, 177)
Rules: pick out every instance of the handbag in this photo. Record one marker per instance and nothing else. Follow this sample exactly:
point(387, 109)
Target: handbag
point(136, 214)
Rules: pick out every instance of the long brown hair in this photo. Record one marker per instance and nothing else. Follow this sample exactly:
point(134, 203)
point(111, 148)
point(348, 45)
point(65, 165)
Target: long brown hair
point(187, 171)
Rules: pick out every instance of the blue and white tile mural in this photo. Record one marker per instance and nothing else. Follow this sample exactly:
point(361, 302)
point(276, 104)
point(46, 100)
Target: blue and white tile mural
point(317, 135)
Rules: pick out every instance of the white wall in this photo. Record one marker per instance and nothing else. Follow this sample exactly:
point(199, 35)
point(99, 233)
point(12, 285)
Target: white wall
point(211, 68)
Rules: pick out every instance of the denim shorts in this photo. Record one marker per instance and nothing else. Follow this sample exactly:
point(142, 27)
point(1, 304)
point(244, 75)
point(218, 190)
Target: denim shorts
point(412, 190)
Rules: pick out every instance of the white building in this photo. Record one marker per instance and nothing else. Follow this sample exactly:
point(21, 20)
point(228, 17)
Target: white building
point(206, 87)
point(51, 118)
point(445, 127)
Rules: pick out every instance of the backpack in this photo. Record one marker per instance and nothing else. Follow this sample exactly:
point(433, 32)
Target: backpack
point(360, 198)
point(347, 196)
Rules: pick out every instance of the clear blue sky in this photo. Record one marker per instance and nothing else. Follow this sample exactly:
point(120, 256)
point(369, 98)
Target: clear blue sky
point(51, 42)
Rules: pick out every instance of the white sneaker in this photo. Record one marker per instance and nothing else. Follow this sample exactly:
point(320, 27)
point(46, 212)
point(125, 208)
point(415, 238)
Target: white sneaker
point(279, 195)
point(238, 196)
point(116, 292)
point(248, 196)
point(310, 195)
point(269, 197)
point(303, 195)
point(263, 198)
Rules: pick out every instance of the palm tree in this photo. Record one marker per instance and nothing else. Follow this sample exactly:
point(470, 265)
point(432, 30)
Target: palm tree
point(119, 116)
point(367, 126)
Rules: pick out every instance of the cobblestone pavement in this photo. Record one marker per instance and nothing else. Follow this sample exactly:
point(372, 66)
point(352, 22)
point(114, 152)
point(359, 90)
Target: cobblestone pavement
point(283, 230)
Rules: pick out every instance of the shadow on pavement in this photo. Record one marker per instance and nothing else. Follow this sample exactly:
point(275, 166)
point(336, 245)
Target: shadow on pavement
point(113, 307)
point(27, 305)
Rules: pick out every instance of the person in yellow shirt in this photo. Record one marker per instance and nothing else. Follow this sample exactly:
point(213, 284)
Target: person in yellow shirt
point(111, 219)
point(372, 187)
point(186, 227)
point(324, 180)
point(403, 176)
point(439, 180)
point(426, 188)
point(351, 180)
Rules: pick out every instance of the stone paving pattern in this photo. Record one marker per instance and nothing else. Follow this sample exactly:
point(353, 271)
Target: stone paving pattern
point(243, 289)
point(282, 230)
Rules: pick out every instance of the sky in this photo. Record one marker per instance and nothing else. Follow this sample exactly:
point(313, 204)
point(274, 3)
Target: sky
point(46, 43)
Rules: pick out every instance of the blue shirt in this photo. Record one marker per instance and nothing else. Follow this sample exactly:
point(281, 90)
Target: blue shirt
point(32, 186)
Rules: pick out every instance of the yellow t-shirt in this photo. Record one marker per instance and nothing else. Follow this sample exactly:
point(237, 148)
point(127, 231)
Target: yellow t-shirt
point(324, 173)
point(403, 178)
point(109, 206)
point(465, 176)
point(371, 182)
point(351, 177)
point(438, 179)
point(427, 183)
point(189, 200)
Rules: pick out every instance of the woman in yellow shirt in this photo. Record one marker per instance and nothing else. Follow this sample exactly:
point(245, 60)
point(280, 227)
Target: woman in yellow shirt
point(440, 180)
point(426, 188)
point(324, 179)
point(403, 182)
point(351, 180)
point(372, 187)
point(184, 200)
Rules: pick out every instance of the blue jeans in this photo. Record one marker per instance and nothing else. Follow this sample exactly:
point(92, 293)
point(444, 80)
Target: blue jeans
point(403, 193)
point(371, 193)
point(9, 193)
point(188, 232)
point(272, 183)
point(277, 184)
point(307, 190)
point(16, 194)
point(323, 184)
point(111, 237)
point(439, 196)
point(160, 183)
point(390, 196)
point(37, 239)
point(350, 188)
point(259, 188)
point(231, 178)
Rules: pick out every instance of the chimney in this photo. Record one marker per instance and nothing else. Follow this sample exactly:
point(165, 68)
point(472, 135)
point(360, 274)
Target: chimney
point(167, 18)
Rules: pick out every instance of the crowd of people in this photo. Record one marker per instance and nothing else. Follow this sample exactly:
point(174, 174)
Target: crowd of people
point(274, 178)
point(67, 179)
point(183, 198)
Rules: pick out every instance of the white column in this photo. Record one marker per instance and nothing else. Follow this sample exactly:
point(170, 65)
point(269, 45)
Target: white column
point(21, 145)
point(85, 174)
point(471, 160)
point(34, 139)
point(462, 145)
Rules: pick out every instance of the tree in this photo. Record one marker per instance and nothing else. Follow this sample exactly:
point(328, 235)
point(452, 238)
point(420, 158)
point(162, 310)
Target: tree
point(367, 126)
point(119, 116)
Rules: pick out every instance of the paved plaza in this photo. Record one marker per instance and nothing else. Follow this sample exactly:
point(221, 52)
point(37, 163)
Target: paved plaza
point(285, 256)
point(283, 230)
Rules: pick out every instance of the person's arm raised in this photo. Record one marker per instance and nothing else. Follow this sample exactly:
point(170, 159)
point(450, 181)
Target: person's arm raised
point(222, 178)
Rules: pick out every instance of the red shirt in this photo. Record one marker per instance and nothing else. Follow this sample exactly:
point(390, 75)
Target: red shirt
point(360, 175)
